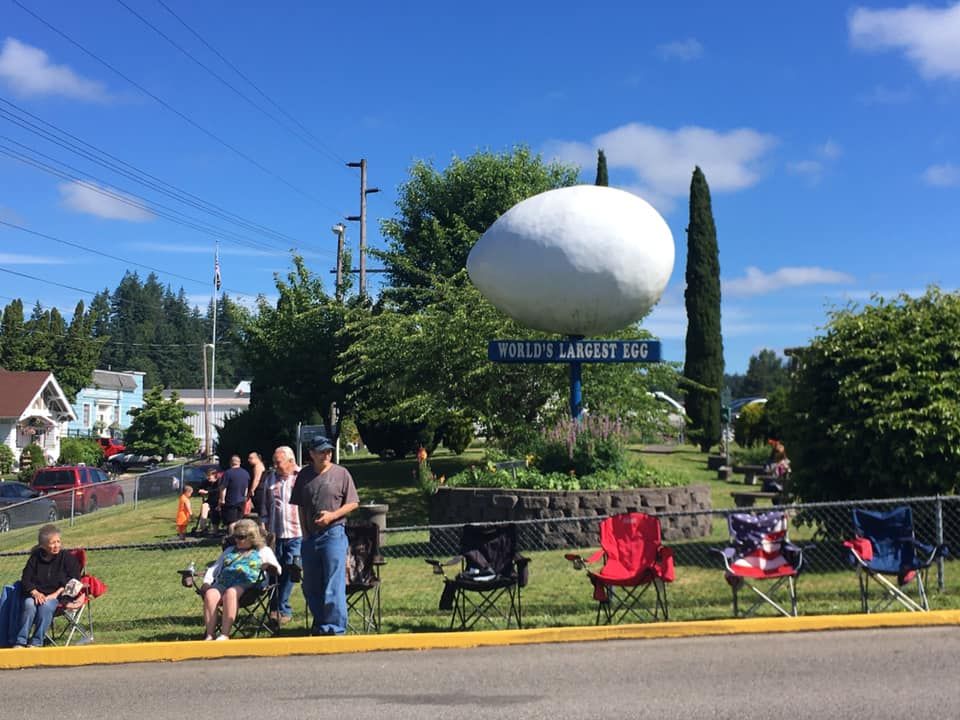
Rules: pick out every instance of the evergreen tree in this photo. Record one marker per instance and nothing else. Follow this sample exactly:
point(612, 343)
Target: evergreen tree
point(602, 178)
point(78, 353)
point(14, 348)
point(703, 363)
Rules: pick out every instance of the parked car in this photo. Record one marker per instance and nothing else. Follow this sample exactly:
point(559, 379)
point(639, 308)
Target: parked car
point(111, 446)
point(92, 487)
point(167, 481)
point(125, 461)
point(13, 514)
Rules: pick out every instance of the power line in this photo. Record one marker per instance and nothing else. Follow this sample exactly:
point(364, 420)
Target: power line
point(127, 261)
point(135, 201)
point(305, 138)
point(172, 109)
point(76, 145)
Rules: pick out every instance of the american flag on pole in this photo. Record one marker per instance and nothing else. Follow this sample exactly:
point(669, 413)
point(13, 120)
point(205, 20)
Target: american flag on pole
point(216, 270)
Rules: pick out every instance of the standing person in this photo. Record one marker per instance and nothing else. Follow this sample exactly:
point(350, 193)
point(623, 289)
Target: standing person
point(325, 493)
point(46, 574)
point(184, 513)
point(210, 500)
point(233, 492)
point(283, 520)
point(257, 473)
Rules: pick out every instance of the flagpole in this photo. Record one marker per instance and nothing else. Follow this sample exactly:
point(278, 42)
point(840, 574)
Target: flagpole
point(213, 352)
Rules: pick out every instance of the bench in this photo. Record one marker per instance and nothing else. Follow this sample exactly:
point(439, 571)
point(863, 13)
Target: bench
point(747, 499)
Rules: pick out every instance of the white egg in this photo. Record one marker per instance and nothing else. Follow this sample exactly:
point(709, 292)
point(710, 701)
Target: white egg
point(580, 260)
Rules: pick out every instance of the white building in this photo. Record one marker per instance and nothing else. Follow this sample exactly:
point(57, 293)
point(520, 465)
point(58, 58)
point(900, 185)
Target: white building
point(226, 403)
point(33, 409)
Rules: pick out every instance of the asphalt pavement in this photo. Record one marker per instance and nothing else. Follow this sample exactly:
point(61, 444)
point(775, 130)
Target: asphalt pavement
point(870, 674)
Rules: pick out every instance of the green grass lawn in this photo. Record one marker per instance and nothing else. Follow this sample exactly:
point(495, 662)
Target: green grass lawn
point(146, 602)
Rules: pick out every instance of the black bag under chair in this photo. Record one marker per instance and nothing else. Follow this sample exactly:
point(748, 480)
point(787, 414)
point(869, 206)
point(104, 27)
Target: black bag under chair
point(491, 575)
point(363, 577)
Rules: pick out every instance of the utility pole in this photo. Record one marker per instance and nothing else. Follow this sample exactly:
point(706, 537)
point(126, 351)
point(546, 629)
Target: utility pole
point(339, 229)
point(362, 218)
point(206, 405)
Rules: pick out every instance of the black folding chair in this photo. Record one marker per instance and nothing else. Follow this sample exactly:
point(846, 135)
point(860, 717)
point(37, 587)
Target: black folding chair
point(491, 575)
point(363, 577)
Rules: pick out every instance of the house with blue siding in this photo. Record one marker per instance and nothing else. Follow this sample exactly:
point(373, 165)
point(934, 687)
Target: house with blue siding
point(103, 407)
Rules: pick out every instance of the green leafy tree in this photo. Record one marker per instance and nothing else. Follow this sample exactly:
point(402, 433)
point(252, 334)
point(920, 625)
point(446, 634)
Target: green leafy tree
point(442, 214)
point(159, 427)
point(874, 402)
point(602, 178)
point(703, 361)
point(765, 373)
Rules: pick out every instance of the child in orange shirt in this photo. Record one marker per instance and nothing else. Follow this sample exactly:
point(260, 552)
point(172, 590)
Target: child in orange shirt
point(184, 512)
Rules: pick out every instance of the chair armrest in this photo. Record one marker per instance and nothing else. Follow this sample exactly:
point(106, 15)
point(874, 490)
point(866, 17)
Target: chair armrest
point(439, 565)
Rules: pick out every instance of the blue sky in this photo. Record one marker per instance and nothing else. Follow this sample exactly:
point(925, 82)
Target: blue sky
point(828, 136)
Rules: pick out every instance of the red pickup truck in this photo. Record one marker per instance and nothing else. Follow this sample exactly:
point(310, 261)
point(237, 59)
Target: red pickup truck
point(111, 446)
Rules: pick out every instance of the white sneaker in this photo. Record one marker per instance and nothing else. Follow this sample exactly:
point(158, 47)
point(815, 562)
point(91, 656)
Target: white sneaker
point(209, 637)
point(221, 636)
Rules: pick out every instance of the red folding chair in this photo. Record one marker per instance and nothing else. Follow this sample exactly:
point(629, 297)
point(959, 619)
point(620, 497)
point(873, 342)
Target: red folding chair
point(634, 560)
point(74, 617)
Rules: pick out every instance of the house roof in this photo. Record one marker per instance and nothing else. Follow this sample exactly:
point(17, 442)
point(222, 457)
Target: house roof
point(109, 380)
point(18, 389)
point(194, 396)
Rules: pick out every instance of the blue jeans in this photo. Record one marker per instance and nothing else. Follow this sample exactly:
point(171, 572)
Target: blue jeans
point(43, 616)
point(288, 553)
point(325, 580)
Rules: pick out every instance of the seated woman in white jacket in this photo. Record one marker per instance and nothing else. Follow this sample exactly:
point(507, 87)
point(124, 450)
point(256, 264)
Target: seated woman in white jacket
point(237, 569)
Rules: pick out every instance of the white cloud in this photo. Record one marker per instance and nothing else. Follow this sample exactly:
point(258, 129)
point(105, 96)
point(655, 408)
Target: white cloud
point(813, 169)
point(28, 71)
point(830, 150)
point(757, 282)
point(90, 198)
point(17, 259)
point(662, 161)
point(686, 50)
point(944, 175)
point(929, 37)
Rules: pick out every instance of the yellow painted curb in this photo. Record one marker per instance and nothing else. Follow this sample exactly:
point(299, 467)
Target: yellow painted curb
point(274, 647)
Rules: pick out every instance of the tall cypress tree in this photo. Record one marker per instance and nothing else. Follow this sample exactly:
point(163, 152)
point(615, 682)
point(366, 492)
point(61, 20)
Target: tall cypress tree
point(703, 361)
point(602, 169)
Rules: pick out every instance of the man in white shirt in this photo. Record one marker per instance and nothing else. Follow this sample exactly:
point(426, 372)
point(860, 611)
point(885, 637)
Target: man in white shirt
point(283, 520)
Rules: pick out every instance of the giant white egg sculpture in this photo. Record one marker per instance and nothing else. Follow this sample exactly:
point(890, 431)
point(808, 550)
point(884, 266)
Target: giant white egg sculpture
point(580, 260)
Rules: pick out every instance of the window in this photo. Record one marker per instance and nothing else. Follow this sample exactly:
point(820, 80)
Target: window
point(86, 415)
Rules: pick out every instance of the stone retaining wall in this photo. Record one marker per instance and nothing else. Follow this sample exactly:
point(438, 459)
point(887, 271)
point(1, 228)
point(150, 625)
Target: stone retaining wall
point(463, 505)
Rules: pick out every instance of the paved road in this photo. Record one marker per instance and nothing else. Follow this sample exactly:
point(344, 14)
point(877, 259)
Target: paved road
point(875, 675)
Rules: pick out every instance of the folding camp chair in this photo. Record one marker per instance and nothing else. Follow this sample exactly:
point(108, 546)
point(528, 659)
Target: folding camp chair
point(491, 575)
point(634, 560)
point(760, 550)
point(253, 606)
point(885, 548)
point(363, 576)
point(74, 617)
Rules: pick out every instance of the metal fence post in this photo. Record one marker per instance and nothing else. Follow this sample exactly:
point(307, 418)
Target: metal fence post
point(136, 492)
point(940, 583)
point(73, 505)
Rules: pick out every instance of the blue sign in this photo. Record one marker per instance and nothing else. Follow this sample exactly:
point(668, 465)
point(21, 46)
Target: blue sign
point(573, 351)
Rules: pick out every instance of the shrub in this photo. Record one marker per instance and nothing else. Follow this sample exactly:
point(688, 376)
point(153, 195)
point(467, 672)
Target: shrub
point(36, 461)
point(390, 438)
point(6, 459)
point(633, 475)
point(750, 428)
point(457, 433)
point(77, 451)
point(582, 447)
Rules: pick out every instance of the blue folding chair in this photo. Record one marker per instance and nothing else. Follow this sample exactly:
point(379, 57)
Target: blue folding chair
point(886, 552)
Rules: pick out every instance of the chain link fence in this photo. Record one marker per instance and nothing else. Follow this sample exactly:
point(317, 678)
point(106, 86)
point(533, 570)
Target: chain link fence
point(146, 602)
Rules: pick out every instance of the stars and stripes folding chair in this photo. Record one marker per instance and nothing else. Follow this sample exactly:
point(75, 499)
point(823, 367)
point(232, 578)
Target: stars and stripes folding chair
point(886, 552)
point(634, 560)
point(759, 550)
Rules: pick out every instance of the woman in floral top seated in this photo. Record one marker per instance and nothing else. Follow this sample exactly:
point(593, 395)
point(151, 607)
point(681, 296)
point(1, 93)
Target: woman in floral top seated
point(237, 569)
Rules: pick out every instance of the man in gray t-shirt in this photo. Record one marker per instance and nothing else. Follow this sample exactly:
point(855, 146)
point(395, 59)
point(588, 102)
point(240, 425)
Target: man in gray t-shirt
point(325, 494)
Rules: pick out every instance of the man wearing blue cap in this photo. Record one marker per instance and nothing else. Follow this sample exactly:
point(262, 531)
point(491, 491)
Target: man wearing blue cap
point(325, 494)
